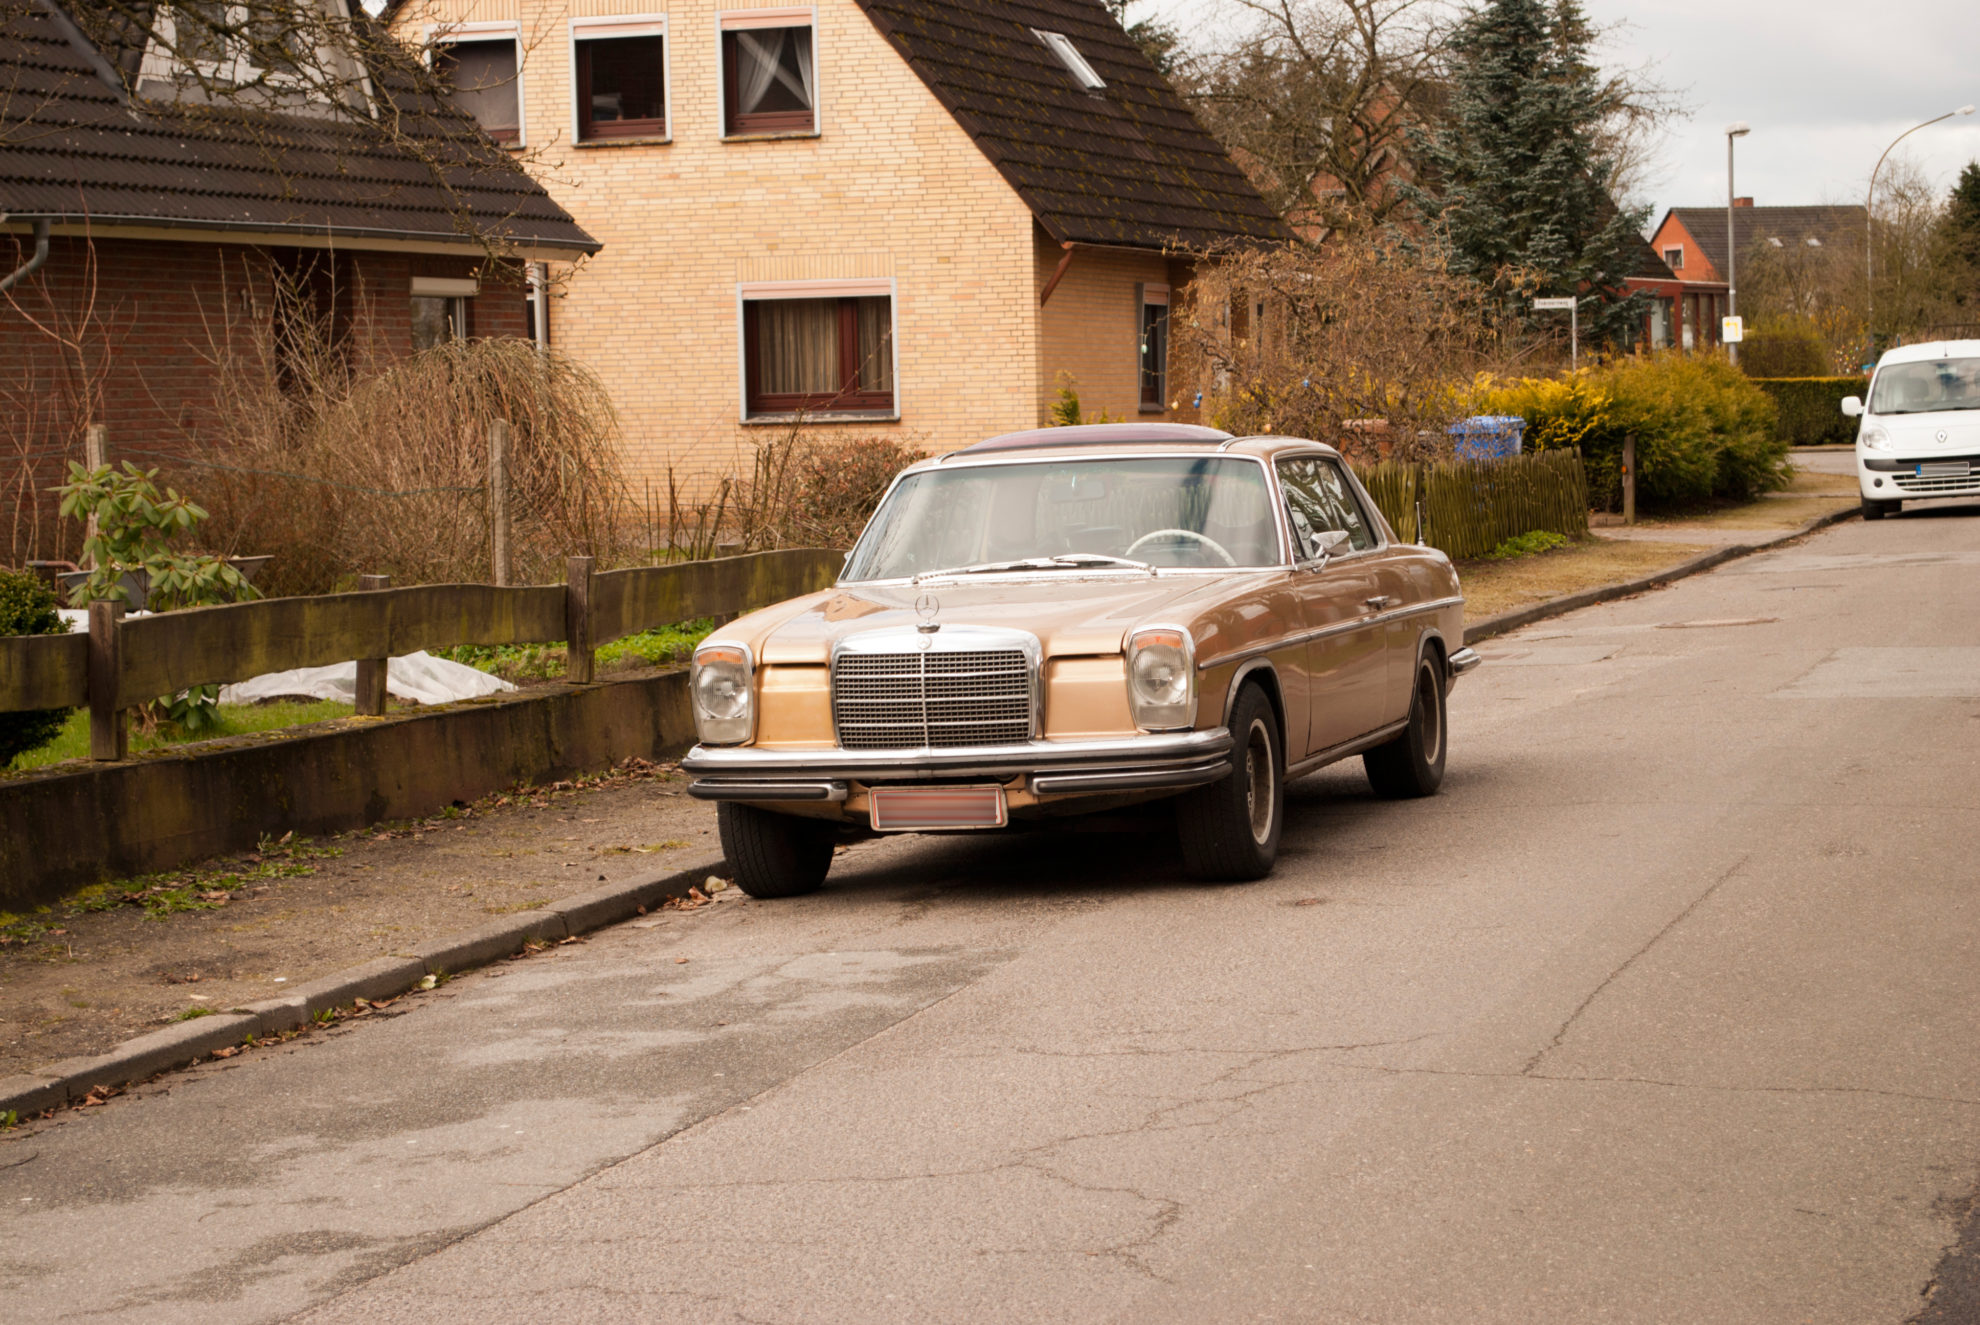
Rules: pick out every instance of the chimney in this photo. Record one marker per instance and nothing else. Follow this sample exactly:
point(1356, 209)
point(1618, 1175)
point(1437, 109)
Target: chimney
point(1742, 202)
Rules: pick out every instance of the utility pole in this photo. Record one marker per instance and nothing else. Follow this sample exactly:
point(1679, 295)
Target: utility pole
point(1737, 129)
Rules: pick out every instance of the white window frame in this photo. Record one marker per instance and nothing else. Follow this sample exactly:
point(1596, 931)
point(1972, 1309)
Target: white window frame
point(1150, 294)
point(456, 290)
point(1061, 45)
point(435, 35)
point(163, 64)
point(857, 287)
point(1666, 256)
point(597, 26)
point(786, 16)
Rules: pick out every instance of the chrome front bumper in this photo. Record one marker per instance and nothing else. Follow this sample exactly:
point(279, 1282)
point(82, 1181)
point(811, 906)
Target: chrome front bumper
point(1463, 661)
point(1137, 763)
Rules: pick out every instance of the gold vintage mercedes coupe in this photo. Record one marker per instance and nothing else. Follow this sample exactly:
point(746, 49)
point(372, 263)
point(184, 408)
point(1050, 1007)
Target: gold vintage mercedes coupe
point(1077, 619)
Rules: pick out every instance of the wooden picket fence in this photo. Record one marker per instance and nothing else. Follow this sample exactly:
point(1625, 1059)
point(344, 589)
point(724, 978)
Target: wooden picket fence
point(1469, 507)
point(120, 663)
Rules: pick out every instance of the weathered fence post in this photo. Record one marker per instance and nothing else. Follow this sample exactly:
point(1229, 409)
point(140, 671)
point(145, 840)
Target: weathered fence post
point(577, 619)
point(498, 497)
point(1629, 478)
point(371, 672)
point(109, 726)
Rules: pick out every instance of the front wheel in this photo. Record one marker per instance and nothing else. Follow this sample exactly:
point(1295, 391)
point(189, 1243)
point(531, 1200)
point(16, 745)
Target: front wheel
point(1877, 510)
point(1229, 830)
point(774, 855)
point(1413, 763)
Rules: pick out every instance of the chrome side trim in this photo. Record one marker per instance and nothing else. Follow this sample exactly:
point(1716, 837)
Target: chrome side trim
point(747, 763)
point(1346, 748)
point(1338, 628)
point(731, 790)
point(1463, 661)
point(1195, 775)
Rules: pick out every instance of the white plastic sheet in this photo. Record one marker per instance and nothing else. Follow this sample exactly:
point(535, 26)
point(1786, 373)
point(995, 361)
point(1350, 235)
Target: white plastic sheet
point(418, 677)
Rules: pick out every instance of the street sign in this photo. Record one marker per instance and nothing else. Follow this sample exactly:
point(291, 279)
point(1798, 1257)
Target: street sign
point(1732, 330)
point(1560, 305)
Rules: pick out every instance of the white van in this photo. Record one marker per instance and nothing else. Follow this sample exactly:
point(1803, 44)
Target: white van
point(1920, 435)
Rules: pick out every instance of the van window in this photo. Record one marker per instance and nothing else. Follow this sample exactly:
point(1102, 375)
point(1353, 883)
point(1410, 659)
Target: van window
point(1920, 388)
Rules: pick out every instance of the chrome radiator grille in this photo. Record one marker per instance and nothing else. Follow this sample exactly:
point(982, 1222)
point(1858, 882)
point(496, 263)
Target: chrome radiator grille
point(883, 701)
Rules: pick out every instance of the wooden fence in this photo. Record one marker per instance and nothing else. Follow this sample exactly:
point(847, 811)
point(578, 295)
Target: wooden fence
point(1469, 507)
point(120, 663)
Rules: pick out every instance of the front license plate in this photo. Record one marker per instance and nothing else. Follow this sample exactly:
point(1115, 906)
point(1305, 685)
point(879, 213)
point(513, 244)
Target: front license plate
point(933, 809)
point(1946, 469)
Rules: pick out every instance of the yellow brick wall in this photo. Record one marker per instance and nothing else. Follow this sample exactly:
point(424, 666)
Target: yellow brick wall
point(891, 187)
point(1091, 327)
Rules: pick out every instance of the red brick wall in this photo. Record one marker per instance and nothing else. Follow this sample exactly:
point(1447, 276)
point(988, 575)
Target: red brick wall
point(125, 332)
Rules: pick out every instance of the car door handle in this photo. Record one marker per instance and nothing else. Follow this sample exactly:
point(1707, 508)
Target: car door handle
point(1378, 601)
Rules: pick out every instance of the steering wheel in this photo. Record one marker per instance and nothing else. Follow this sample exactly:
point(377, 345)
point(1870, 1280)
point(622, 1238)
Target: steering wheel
point(1204, 539)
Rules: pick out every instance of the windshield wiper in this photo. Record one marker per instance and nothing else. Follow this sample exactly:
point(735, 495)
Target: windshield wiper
point(1071, 560)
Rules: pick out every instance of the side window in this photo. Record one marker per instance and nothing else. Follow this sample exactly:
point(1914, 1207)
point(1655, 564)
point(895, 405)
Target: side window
point(1318, 499)
point(621, 86)
point(483, 75)
point(769, 74)
point(1154, 347)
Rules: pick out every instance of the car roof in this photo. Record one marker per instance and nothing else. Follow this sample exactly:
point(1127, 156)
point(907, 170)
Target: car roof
point(1927, 350)
point(1099, 434)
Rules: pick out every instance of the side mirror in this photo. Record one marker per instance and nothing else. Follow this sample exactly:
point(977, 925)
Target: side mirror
point(1324, 545)
point(1852, 405)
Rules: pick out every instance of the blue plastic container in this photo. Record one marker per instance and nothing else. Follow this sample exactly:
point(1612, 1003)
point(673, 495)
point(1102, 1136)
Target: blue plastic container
point(1488, 436)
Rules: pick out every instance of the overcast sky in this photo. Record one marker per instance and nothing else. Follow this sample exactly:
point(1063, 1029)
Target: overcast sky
point(1826, 85)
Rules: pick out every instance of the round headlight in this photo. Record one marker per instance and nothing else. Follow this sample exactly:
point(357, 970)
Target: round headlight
point(1161, 678)
point(1875, 438)
point(721, 684)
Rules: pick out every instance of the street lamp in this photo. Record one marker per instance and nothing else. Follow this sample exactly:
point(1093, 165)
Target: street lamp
point(1869, 260)
point(1737, 129)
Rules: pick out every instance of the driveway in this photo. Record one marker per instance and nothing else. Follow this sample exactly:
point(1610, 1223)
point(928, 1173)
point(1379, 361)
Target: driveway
point(1664, 1010)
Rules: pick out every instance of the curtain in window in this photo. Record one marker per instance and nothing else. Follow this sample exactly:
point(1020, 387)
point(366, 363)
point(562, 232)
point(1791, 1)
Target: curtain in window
point(774, 68)
point(876, 344)
point(797, 346)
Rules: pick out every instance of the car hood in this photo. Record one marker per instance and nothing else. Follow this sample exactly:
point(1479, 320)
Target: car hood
point(1076, 614)
point(1961, 429)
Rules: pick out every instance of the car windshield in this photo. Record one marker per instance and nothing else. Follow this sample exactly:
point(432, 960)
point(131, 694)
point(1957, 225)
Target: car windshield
point(1181, 511)
point(1921, 388)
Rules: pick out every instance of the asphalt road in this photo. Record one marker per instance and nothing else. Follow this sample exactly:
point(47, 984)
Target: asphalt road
point(1666, 1009)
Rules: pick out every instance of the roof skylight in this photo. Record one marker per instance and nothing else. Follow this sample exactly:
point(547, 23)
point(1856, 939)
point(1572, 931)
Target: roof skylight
point(1061, 45)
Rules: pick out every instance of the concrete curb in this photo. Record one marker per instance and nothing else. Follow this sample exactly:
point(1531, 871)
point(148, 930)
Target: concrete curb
point(1553, 607)
point(177, 1045)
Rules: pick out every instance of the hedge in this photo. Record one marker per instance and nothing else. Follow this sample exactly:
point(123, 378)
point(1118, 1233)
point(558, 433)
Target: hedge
point(1472, 506)
point(27, 607)
point(1811, 408)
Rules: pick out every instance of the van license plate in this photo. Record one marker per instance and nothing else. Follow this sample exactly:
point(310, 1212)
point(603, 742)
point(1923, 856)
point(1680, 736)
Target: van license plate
point(1945, 469)
point(936, 809)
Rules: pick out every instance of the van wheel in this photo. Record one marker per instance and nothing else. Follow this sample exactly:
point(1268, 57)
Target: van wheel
point(1877, 510)
point(775, 855)
point(1413, 763)
point(1229, 830)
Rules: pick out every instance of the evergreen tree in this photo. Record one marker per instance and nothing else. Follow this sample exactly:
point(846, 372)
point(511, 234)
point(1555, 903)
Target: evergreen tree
point(1960, 229)
point(1513, 173)
point(1159, 41)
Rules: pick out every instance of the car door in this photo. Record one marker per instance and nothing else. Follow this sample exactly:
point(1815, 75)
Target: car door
point(1347, 660)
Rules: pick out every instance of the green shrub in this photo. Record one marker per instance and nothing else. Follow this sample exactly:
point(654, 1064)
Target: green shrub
point(1799, 353)
point(1528, 544)
point(1811, 408)
point(1703, 429)
point(27, 607)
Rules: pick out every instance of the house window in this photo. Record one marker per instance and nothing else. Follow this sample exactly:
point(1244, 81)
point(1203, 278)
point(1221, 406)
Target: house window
point(769, 72)
point(1674, 259)
point(483, 72)
point(440, 310)
point(233, 43)
point(832, 352)
point(1061, 45)
point(1154, 345)
point(621, 79)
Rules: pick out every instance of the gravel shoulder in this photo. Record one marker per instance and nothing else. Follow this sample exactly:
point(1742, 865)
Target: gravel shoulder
point(76, 981)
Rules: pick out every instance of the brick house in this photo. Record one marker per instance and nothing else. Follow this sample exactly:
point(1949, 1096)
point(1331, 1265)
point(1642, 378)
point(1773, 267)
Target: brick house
point(892, 216)
point(137, 228)
point(1691, 244)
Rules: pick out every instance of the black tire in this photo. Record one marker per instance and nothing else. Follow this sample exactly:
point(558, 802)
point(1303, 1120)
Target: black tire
point(1877, 510)
point(1413, 763)
point(775, 855)
point(1229, 830)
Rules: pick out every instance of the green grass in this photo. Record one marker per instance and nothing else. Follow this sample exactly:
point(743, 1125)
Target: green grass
point(235, 720)
point(669, 646)
point(1527, 544)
